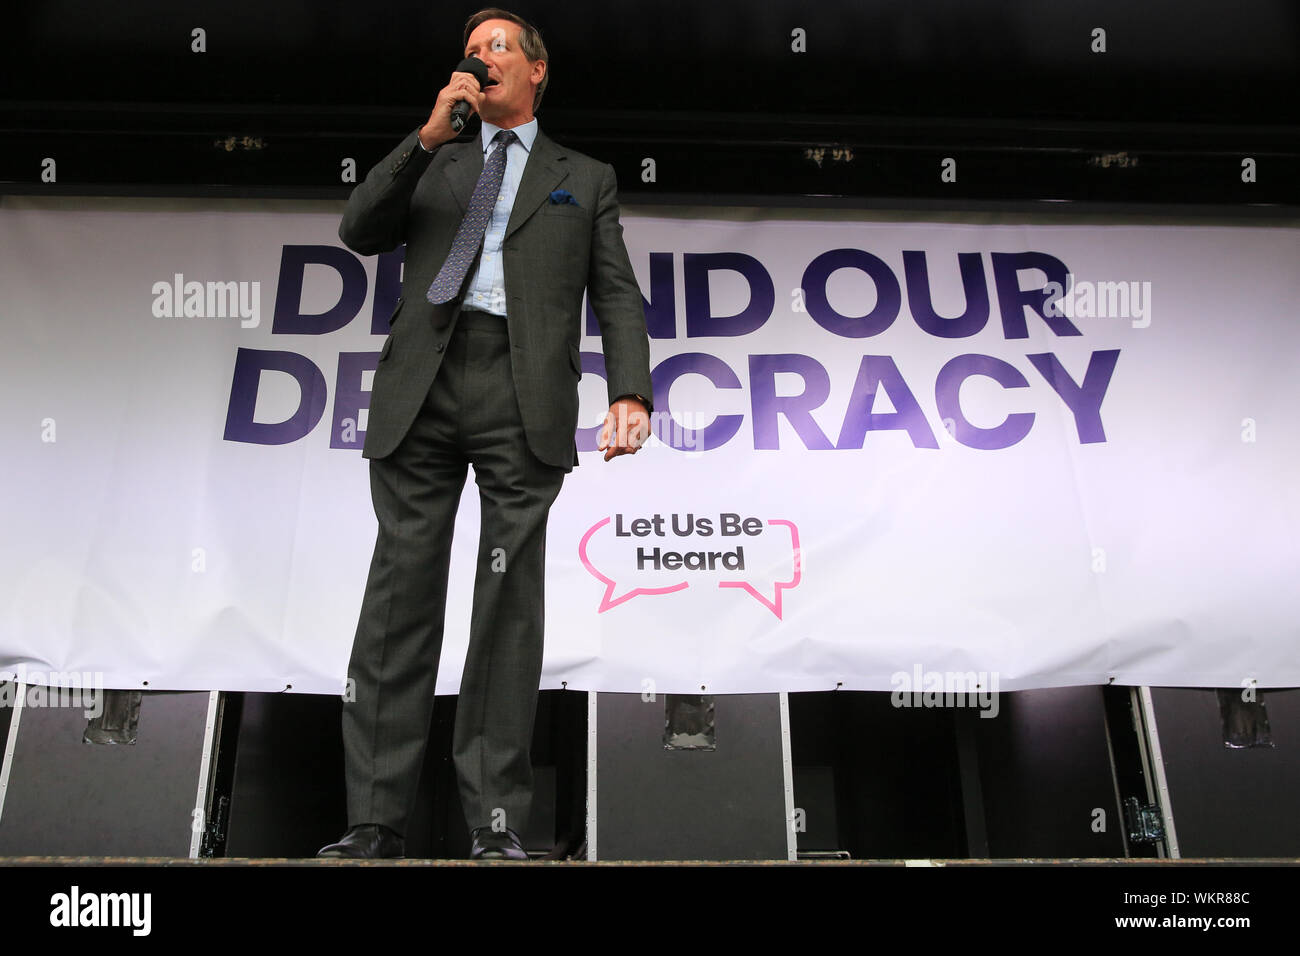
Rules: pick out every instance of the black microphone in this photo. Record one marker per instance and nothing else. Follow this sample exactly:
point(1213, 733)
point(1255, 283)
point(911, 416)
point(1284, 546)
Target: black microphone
point(460, 112)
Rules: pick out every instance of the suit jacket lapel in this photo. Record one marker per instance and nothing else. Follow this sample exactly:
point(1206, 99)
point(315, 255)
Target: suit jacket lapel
point(543, 173)
point(463, 168)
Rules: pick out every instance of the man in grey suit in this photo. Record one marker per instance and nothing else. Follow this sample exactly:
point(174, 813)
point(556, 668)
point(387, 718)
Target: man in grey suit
point(481, 367)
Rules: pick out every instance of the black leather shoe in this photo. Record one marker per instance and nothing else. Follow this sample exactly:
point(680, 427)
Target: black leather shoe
point(488, 844)
point(366, 841)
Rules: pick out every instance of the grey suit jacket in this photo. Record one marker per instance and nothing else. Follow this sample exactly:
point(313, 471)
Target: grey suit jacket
point(551, 253)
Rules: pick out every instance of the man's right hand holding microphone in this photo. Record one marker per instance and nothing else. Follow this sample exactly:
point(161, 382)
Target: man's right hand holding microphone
point(463, 87)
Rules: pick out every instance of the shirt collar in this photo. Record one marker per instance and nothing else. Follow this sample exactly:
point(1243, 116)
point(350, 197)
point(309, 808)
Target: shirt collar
point(526, 133)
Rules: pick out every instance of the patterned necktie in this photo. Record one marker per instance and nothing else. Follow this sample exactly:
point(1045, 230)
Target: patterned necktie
point(474, 225)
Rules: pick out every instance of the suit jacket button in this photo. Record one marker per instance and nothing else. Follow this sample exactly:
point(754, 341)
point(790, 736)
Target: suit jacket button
point(438, 347)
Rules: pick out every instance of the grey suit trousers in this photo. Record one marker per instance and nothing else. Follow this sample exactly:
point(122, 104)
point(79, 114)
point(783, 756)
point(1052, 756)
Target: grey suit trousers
point(470, 417)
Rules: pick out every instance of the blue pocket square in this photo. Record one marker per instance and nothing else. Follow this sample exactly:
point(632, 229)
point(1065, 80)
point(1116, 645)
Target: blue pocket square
point(561, 196)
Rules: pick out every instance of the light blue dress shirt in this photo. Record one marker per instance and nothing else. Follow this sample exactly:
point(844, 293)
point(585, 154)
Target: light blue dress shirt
point(487, 289)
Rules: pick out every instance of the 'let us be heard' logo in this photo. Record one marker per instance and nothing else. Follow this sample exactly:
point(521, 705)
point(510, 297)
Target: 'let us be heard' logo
point(657, 554)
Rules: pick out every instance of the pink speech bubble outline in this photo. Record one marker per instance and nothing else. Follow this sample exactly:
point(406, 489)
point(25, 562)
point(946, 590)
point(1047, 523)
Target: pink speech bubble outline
point(610, 583)
point(775, 606)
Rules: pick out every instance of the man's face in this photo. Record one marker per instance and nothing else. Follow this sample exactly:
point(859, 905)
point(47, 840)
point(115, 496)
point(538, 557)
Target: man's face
point(510, 102)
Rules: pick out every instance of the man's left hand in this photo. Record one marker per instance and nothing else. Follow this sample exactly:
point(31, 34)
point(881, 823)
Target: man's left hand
point(627, 426)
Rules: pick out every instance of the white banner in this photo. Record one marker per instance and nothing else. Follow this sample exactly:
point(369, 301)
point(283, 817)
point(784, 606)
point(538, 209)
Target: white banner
point(1040, 454)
